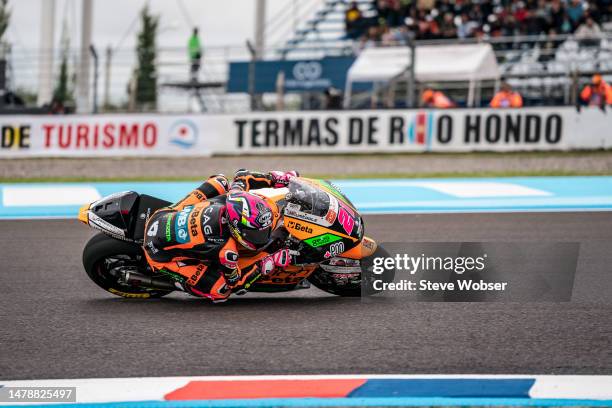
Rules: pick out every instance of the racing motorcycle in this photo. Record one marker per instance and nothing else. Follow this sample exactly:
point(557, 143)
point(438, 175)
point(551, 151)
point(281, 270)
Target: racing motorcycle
point(321, 227)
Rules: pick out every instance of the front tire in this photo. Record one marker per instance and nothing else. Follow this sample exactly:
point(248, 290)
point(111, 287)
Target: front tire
point(105, 257)
point(349, 284)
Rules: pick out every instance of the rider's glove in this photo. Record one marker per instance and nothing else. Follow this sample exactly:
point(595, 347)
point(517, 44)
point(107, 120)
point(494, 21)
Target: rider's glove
point(221, 180)
point(280, 258)
point(248, 180)
point(282, 178)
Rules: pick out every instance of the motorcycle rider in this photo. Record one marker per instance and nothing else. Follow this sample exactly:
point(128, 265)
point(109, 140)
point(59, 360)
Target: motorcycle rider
point(196, 241)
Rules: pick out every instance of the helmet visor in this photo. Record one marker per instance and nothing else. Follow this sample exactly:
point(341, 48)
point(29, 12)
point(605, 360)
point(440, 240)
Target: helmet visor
point(259, 238)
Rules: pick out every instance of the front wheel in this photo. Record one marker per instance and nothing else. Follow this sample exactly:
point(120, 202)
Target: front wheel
point(106, 259)
point(344, 277)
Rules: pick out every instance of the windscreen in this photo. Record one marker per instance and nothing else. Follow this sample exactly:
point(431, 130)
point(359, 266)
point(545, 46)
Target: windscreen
point(311, 199)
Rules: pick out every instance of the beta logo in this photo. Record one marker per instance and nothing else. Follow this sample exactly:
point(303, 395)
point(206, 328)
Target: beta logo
point(184, 134)
point(299, 227)
point(195, 277)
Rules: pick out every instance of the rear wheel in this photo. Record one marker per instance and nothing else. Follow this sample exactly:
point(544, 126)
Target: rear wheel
point(344, 277)
point(106, 259)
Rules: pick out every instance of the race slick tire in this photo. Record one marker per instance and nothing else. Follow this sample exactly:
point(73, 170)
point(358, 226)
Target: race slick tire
point(332, 277)
point(104, 257)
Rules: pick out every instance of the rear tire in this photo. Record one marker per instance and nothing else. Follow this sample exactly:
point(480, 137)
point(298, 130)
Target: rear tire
point(325, 281)
point(104, 256)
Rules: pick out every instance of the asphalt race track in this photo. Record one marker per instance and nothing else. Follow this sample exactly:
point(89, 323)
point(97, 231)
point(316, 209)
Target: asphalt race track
point(55, 323)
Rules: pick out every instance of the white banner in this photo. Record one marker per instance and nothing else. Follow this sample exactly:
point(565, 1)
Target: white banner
point(391, 131)
point(102, 135)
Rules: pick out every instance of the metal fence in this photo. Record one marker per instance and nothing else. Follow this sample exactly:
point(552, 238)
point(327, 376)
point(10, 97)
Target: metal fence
point(546, 70)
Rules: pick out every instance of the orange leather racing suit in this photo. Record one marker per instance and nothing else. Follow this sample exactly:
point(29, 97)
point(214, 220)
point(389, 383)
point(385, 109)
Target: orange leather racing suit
point(190, 241)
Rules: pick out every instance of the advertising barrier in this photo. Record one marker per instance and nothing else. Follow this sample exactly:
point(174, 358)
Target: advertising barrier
point(390, 131)
point(102, 135)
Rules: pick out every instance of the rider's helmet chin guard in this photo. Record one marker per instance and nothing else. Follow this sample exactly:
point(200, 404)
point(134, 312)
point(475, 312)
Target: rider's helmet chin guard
point(250, 219)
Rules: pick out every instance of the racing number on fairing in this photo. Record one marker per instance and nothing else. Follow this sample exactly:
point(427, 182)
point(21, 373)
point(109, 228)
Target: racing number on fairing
point(335, 249)
point(346, 220)
point(153, 229)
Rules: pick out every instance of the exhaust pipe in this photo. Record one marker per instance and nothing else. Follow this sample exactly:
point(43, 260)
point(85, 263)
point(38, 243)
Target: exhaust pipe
point(138, 280)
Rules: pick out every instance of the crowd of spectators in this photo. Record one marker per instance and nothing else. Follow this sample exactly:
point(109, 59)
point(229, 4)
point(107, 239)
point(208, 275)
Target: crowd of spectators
point(393, 22)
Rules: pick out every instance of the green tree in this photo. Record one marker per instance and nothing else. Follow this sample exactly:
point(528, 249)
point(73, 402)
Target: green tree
point(63, 91)
point(5, 47)
point(5, 17)
point(146, 71)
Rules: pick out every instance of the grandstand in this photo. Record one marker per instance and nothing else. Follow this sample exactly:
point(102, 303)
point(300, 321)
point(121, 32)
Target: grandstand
point(539, 52)
point(324, 30)
point(444, 19)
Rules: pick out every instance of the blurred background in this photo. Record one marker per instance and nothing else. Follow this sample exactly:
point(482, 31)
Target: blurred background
point(87, 56)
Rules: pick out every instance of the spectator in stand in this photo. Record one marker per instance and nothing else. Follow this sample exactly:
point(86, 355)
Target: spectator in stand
point(387, 39)
point(397, 36)
point(566, 26)
point(519, 11)
point(425, 4)
point(508, 24)
point(448, 29)
point(195, 54)
point(496, 28)
point(597, 93)
point(353, 21)
point(588, 32)
point(542, 16)
point(593, 10)
point(575, 11)
point(466, 27)
point(371, 39)
point(389, 12)
point(532, 24)
point(393, 36)
point(436, 99)
point(333, 99)
point(556, 14)
point(428, 28)
point(396, 15)
point(381, 9)
point(506, 98)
